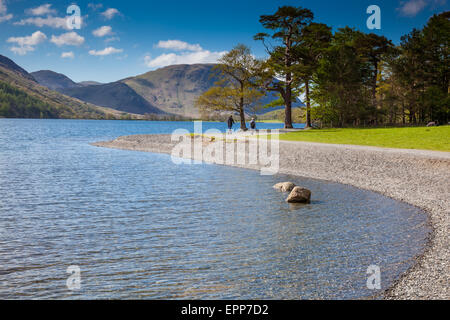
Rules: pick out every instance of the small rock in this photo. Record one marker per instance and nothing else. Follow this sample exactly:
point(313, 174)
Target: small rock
point(299, 195)
point(284, 186)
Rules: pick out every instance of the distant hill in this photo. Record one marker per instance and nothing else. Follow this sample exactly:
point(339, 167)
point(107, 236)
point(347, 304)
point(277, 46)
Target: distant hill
point(8, 64)
point(173, 89)
point(53, 80)
point(116, 95)
point(89, 83)
point(22, 97)
point(170, 90)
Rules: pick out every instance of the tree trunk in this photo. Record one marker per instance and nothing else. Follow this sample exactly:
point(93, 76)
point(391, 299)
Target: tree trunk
point(412, 117)
point(308, 105)
point(242, 115)
point(288, 93)
point(288, 102)
point(403, 114)
point(374, 84)
point(241, 110)
point(288, 115)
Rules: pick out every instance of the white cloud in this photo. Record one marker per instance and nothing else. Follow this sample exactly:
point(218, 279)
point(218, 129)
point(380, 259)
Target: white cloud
point(68, 55)
point(26, 44)
point(4, 16)
point(53, 22)
point(110, 13)
point(191, 54)
point(412, 7)
point(69, 39)
point(41, 10)
point(21, 51)
point(168, 59)
point(95, 6)
point(103, 31)
point(2, 7)
point(105, 52)
point(178, 45)
point(112, 39)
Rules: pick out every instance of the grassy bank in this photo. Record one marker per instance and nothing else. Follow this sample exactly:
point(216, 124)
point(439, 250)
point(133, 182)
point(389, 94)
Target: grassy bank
point(270, 121)
point(435, 138)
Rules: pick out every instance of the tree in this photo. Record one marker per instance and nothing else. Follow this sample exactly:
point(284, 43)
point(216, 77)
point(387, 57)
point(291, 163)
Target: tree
point(340, 78)
point(372, 48)
point(236, 90)
point(421, 71)
point(315, 38)
point(410, 72)
point(278, 73)
point(436, 39)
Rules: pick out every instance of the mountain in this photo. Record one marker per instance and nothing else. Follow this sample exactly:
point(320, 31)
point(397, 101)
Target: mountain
point(89, 83)
point(116, 95)
point(173, 89)
point(8, 64)
point(170, 90)
point(53, 80)
point(22, 97)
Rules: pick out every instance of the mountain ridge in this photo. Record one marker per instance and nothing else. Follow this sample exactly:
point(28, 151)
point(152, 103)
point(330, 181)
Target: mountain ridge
point(54, 80)
point(115, 95)
point(170, 90)
point(8, 64)
point(22, 97)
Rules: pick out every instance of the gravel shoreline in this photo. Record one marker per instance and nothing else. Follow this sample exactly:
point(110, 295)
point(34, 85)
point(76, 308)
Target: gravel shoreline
point(417, 177)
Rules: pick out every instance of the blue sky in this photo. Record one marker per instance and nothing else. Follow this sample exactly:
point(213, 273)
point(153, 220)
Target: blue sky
point(119, 39)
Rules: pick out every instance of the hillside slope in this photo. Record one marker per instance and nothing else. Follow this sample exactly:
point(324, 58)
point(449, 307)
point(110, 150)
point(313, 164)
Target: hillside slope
point(170, 90)
point(8, 64)
point(116, 95)
point(89, 83)
point(173, 89)
point(20, 94)
point(53, 80)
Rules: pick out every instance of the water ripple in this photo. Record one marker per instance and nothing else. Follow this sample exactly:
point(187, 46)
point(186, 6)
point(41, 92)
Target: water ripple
point(140, 227)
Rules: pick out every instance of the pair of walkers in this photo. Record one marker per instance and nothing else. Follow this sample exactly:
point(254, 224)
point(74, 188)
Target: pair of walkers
point(231, 123)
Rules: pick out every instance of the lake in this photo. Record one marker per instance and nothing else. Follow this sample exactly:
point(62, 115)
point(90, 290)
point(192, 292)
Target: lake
point(140, 227)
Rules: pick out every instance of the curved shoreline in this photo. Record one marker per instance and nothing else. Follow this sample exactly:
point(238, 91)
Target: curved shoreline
point(420, 178)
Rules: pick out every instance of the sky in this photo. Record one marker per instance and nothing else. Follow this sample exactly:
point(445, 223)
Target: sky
point(117, 39)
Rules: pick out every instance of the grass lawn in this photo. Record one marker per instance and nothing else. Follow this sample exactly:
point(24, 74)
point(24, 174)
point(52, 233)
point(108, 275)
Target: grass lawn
point(434, 138)
point(269, 121)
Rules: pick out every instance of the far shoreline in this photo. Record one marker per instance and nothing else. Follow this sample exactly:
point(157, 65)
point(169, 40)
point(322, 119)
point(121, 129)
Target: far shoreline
point(393, 173)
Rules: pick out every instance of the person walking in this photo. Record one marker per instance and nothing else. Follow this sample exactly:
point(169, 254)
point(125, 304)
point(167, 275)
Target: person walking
point(230, 123)
point(253, 124)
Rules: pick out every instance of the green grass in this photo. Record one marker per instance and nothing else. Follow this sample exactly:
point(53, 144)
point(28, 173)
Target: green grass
point(269, 121)
point(434, 138)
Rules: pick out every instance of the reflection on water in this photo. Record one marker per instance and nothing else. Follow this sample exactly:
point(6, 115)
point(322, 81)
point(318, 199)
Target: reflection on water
point(139, 226)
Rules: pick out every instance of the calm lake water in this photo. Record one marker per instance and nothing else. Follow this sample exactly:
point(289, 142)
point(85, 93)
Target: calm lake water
point(139, 226)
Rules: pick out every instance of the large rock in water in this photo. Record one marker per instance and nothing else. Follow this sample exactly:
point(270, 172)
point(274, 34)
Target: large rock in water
point(299, 195)
point(284, 186)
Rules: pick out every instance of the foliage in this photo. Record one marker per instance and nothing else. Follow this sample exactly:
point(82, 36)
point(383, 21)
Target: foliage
point(315, 39)
point(236, 90)
point(364, 80)
point(350, 78)
point(15, 103)
point(277, 73)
